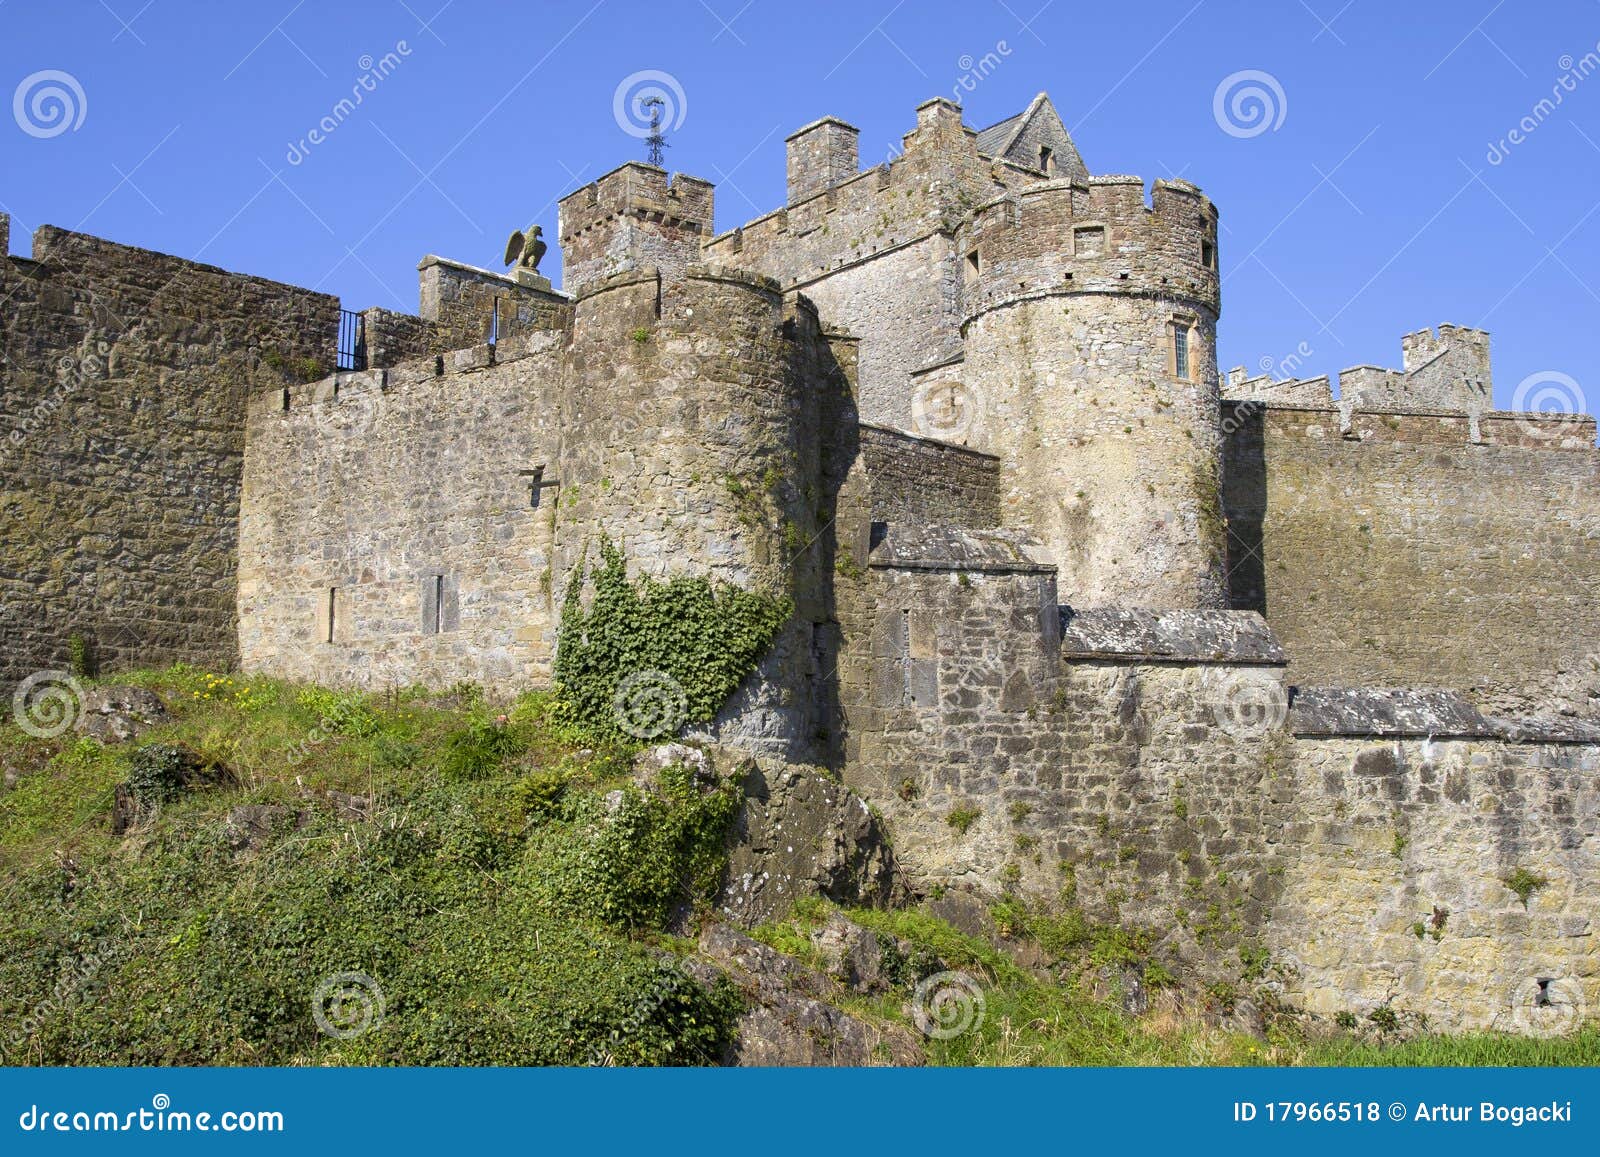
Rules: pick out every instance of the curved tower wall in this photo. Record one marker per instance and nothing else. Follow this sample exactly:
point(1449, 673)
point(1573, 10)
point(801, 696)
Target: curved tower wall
point(1074, 296)
point(684, 429)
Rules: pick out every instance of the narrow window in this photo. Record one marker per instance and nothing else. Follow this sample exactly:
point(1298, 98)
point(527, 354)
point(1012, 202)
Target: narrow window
point(333, 602)
point(1047, 160)
point(438, 603)
point(1180, 350)
point(285, 399)
point(1208, 253)
point(973, 266)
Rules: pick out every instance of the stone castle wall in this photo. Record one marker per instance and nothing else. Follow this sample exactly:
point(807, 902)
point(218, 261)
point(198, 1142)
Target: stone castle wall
point(1403, 553)
point(123, 393)
point(402, 500)
point(918, 481)
point(1133, 786)
point(876, 251)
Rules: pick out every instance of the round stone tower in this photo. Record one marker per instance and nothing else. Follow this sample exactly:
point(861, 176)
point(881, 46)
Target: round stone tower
point(1090, 329)
point(681, 422)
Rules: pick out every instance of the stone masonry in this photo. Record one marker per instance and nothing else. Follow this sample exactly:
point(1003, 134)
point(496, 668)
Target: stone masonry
point(1296, 679)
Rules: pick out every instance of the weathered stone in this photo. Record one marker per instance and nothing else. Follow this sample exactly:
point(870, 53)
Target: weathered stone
point(788, 1020)
point(799, 834)
point(116, 714)
point(251, 826)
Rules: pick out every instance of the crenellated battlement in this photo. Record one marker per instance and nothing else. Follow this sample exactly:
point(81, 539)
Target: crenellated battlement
point(1099, 236)
point(633, 216)
point(1445, 371)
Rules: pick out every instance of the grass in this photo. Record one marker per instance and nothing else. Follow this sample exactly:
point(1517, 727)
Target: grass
point(508, 912)
point(174, 946)
point(1029, 1020)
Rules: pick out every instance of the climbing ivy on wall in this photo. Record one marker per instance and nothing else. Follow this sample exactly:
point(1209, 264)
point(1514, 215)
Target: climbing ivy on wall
point(684, 645)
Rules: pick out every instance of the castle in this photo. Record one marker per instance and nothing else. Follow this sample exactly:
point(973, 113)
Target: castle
point(1282, 677)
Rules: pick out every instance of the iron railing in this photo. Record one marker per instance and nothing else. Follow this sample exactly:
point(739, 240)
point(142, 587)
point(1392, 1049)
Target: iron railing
point(352, 341)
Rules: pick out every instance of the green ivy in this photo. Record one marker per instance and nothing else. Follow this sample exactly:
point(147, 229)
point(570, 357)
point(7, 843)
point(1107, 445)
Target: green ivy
point(706, 637)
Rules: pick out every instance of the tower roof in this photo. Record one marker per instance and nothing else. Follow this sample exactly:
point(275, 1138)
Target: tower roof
point(1020, 138)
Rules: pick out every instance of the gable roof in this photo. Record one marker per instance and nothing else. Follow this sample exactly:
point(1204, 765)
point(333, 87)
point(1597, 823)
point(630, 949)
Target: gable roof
point(1018, 138)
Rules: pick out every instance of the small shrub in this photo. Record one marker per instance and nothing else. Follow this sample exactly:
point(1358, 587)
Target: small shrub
point(1346, 1020)
point(1384, 1018)
point(480, 747)
point(962, 817)
point(1524, 883)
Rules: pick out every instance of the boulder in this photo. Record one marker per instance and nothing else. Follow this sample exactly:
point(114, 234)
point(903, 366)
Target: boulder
point(652, 761)
point(802, 833)
point(786, 1021)
point(251, 826)
point(851, 954)
point(158, 773)
point(118, 714)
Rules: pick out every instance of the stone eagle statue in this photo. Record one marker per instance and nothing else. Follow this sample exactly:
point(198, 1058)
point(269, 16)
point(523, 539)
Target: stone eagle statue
point(524, 250)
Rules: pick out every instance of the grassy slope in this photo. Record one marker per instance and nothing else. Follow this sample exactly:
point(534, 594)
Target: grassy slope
point(502, 920)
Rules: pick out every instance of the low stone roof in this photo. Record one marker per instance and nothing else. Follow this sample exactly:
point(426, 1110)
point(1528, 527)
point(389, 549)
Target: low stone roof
point(905, 547)
point(1172, 636)
point(1384, 711)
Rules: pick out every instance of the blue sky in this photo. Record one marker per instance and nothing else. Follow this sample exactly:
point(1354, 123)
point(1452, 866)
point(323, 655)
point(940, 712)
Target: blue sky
point(1368, 207)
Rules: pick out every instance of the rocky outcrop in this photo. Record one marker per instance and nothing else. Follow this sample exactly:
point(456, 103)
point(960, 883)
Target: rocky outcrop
point(799, 834)
point(118, 714)
point(788, 1020)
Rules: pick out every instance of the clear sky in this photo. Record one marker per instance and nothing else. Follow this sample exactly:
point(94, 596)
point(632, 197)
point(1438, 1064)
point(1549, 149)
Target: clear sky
point(1359, 202)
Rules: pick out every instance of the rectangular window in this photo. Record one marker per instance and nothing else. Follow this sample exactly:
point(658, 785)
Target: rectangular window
point(973, 266)
point(1208, 254)
point(333, 604)
point(438, 603)
point(1180, 351)
point(1047, 160)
